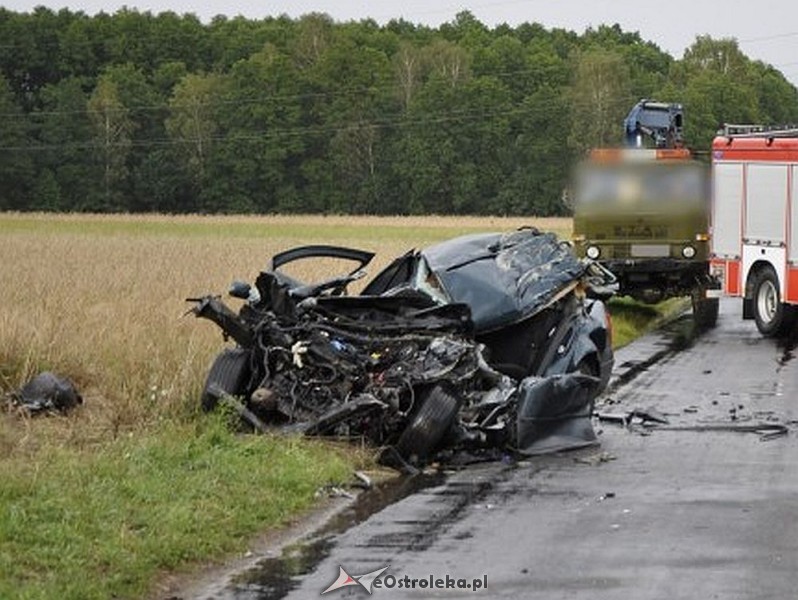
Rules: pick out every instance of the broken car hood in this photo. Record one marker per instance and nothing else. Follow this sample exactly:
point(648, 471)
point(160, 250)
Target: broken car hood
point(504, 278)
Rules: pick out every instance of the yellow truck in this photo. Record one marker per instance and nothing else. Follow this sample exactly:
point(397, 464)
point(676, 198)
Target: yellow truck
point(643, 213)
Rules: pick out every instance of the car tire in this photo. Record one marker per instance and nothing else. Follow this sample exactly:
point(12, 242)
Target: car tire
point(229, 373)
point(705, 312)
point(589, 366)
point(772, 317)
point(429, 425)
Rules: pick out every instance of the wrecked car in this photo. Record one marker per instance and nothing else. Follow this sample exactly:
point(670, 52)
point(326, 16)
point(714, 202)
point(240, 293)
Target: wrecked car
point(495, 340)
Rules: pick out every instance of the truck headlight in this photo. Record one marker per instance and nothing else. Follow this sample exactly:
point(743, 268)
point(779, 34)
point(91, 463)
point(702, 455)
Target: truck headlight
point(593, 252)
point(688, 252)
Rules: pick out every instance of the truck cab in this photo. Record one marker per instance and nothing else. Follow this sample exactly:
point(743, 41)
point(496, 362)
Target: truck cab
point(643, 213)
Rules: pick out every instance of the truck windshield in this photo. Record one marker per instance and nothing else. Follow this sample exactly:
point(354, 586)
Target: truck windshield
point(632, 184)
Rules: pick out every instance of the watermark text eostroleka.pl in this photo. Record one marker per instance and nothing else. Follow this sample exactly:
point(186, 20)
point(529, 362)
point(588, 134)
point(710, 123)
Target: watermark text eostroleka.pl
point(376, 580)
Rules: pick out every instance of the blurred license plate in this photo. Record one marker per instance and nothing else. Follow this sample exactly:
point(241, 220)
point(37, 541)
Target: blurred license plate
point(650, 250)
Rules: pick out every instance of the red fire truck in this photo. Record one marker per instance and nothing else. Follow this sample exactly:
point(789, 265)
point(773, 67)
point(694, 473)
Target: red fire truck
point(754, 248)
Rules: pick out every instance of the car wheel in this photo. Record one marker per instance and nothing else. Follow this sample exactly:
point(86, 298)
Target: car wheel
point(588, 366)
point(705, 312)
point(426, 429)
point(229, 374)
point(772, 317)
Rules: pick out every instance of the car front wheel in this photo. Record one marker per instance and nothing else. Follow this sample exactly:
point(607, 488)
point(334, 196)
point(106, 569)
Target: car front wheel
point(423, 435)
point(229, 374)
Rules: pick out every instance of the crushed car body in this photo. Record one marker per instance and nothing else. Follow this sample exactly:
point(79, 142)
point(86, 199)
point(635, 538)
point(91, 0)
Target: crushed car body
point(489, 341)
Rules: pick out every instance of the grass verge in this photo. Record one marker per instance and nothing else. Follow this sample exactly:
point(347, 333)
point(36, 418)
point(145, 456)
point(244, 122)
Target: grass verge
point(631, 319)
point(103, 523)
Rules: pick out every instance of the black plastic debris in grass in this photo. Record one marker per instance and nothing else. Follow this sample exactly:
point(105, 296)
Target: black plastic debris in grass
point(47, 392)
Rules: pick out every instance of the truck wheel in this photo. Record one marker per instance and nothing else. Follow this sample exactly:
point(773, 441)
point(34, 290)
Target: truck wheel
point(426, 430)
point(773, 318)
point(705, 312)
point(229, 374)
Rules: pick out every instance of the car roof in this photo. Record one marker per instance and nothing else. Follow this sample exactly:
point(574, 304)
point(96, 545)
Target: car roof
point(504, 277)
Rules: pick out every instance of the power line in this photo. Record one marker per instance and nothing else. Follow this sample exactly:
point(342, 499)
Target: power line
point(394, 121)
point(455, 9)
point(259, 99)
point(767, 38)
point(252, 100)
point(167, 108)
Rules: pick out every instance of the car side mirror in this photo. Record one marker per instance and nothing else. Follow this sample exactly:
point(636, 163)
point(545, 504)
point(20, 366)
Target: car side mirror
point(240, 289)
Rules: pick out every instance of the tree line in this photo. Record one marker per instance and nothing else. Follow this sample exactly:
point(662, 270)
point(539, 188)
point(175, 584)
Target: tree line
point(140, 112)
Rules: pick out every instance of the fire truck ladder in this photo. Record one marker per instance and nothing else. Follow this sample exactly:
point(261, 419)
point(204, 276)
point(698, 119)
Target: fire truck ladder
point(755, 131)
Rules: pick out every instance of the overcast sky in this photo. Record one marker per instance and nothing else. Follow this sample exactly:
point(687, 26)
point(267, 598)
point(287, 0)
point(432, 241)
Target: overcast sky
point(766, 29)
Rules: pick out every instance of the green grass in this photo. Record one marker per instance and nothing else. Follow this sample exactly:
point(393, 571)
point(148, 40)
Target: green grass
point(104, 523)
point(631, 319)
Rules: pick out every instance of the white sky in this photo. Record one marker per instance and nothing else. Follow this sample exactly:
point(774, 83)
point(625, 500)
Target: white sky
point(767, 29)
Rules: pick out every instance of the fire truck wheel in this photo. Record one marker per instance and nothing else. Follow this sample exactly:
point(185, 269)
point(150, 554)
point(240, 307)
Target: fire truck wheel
point(773, 318)
point(705, 312)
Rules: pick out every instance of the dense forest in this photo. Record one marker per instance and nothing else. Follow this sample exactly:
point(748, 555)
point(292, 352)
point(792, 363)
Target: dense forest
point(140, 112)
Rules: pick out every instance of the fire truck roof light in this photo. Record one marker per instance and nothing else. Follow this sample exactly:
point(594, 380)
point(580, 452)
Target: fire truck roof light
point(612, 155)
point(757, 131)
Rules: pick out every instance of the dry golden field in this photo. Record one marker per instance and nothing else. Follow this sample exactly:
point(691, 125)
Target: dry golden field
point(99, 299)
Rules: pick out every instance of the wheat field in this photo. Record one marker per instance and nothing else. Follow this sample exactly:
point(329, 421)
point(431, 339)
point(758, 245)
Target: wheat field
point(99, 298)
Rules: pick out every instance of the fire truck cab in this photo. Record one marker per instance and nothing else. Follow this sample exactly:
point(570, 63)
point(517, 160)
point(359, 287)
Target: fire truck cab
point(754, 242)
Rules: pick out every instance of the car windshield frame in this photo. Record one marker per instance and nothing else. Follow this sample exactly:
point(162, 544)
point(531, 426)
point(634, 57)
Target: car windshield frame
point(425, 280)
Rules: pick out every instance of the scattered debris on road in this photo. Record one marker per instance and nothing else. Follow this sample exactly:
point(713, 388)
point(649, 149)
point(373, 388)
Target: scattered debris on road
point(766, 431)
point(652, 419)
point(637, 416)
point(363, 480)
point(595, 459)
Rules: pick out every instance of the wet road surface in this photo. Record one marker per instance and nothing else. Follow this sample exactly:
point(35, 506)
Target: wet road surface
point(670, 513)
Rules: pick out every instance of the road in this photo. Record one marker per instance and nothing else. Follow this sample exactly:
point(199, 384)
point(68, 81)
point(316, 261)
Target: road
point(670, 513)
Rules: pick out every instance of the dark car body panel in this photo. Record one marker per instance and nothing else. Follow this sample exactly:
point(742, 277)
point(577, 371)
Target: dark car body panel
point(361, 257)
point(510, 281)
point(504, 278)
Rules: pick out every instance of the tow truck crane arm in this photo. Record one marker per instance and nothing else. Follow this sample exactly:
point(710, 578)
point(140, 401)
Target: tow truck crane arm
point(660, 121)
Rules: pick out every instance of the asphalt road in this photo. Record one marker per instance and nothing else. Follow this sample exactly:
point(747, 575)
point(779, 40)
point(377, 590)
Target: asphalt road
point(676, 513)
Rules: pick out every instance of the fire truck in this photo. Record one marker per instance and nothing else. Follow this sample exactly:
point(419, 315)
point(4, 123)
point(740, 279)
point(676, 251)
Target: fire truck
point(643, 213)
point(755, 220)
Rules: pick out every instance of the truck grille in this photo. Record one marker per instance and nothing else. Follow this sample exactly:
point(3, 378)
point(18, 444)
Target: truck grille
point(642, 232)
